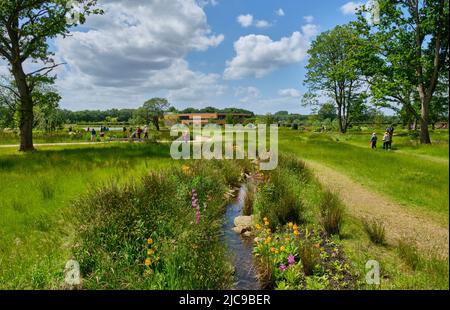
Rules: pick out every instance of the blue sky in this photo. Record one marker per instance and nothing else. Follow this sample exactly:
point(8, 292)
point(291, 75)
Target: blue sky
point(224, 53)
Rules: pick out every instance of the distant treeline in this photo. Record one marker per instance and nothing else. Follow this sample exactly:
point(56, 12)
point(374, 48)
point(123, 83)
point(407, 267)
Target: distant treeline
point(124, 115)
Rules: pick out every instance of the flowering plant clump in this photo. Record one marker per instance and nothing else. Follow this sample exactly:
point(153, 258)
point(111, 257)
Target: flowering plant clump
point(151, 259)
point(303, 258)
point(196, 205)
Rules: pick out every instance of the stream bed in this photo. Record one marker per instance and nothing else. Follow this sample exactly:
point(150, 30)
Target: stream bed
point(240, 248)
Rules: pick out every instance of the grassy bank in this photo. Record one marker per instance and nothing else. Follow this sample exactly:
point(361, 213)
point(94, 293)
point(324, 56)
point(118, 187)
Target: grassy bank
point(149, 234)
point(417, 183)
point(310, 241)
point(36, 191)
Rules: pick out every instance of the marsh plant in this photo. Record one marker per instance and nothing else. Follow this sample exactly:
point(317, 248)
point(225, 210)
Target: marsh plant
point(375, 230)
point(332, 213)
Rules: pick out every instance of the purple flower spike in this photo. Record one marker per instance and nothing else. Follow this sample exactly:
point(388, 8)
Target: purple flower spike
point(291, 260)
point(283, 267)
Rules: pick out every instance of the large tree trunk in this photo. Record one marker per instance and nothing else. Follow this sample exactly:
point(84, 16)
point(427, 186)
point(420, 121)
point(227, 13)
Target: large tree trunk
point(424, 133)
point(26, 109)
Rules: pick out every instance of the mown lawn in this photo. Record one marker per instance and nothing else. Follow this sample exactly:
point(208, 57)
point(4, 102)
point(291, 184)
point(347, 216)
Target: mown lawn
point(415, 181)
point(36, 190)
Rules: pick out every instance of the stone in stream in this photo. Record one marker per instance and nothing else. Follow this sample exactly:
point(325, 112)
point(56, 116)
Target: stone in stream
point(243, 224)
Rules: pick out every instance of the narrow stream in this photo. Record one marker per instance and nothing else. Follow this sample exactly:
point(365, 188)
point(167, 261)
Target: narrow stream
point(240, 248)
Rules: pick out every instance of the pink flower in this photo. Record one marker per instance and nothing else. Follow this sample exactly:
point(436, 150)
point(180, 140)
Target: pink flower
point(291, 260)
point(283, 267)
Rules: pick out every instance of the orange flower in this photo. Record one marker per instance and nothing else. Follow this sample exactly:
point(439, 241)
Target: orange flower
point(266, 223)
point(148, 262)
point(150, 241)
point(258, 227)
point(150, 252)
point(295, 227)
point(296, 232)
point(272, 249)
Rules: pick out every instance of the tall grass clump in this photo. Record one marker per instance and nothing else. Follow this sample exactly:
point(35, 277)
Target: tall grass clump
point(408, 251)
point(47, 190)
point(147, 235)
point(375, 230)
point(279, 199)
point(332, 213)
point(309, 257)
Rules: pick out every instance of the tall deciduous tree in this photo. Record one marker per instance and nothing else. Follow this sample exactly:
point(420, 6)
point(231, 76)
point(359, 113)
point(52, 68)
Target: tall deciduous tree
point(154, 109)
point(334, 71)
point(26, 26)
point(411, 43)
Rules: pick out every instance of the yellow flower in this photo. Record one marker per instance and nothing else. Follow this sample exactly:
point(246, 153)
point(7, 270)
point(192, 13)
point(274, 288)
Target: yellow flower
point(185, 169)
point(266, 223)
point(296, 232)
point(265, 219)
point(269, 239)
point(150, 252)
point(272, 249)
point(258, 227)
point(268, 230)
point(148, 262)
point(282, 248)
point(150, 241)
point(295, 227)
point(290, 224)
point(277, 252)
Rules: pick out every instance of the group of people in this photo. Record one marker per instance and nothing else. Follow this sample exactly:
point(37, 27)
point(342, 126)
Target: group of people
point(132, 134)
point(136, 134)
point(94, 133)
point(387, 139)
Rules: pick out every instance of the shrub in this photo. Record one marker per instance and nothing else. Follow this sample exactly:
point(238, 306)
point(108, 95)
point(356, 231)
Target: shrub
point(407, 250)
point(376, 231)
point(332, 213)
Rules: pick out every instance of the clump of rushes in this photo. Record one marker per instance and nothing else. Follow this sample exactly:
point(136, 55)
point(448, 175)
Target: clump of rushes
point(376, 231)
point(332, 213)
point(301, 258)
point(409, 253)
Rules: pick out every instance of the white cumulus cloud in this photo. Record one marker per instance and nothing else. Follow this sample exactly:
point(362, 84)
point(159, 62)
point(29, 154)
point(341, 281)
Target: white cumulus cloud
point(350, 7)
point(280, 12)
point(245, 20)
point(290, 93)
point(259, 55)
point(137, 46)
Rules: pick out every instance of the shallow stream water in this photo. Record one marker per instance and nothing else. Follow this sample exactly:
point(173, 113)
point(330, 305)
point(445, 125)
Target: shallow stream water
point(240, 248)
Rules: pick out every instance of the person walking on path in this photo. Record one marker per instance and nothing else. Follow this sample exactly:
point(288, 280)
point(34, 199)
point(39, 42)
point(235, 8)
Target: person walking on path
point(102, 134)
point(93, 135)
point(390, 131)
point(139, 132)
point(373, 141)
point(146, 132)
point(386, 141)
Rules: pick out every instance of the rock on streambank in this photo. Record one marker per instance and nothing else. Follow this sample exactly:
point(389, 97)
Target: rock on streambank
point(243, 225)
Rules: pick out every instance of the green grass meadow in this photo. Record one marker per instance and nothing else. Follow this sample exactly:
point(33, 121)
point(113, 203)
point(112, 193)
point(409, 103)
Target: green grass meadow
point(91, 203)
